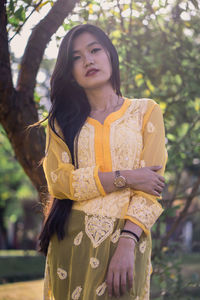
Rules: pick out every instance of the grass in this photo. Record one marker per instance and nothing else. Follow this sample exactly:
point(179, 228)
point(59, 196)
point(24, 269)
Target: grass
point(30, 290)
point(20, 266)
point(9, 253)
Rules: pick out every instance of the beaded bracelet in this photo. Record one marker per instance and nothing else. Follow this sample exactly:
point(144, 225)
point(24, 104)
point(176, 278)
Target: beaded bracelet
point(133, 233)
point(127, 236)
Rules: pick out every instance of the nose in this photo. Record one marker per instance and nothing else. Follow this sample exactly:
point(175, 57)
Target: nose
point(88, 60)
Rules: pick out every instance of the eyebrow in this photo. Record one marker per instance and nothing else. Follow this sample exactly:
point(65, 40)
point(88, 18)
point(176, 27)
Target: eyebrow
point(89, 45)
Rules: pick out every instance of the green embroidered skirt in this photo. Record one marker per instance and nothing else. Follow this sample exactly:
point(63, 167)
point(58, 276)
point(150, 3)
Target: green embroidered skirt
point(76, 267)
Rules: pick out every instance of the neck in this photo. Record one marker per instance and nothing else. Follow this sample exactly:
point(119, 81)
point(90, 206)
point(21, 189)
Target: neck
point(102, 99)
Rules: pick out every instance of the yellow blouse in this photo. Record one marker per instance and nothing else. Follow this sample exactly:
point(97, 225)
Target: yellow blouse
point(130, 138)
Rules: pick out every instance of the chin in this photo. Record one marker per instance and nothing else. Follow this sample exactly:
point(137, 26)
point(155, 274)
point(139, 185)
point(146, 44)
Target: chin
point(96, 84)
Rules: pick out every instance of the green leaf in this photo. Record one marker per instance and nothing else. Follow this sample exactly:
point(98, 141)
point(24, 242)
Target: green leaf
point(11, 6)
point(178, 79)
point(197, 104)
point(20, 13)
point(13, 21)
point(171, 137)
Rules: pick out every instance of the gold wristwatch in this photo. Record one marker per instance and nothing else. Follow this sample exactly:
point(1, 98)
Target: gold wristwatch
point(119, 181)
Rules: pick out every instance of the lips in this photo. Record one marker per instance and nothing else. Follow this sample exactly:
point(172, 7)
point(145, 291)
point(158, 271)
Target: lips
point(91, 72)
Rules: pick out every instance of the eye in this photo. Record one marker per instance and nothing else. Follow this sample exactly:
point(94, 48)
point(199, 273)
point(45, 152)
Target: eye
point(76, 58)
point(95, 50)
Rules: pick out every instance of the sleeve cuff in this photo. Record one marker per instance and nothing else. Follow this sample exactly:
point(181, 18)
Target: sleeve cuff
point(144, 211)
point(147, 196)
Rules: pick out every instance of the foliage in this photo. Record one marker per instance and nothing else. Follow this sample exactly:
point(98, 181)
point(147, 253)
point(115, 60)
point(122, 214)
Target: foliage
point(14, 184)
point(172, 279)
point(19, 12)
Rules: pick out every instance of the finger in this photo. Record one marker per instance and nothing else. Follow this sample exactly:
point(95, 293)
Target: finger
point(161, 185)
point(123, 282)
point(130, 278)
point(155, 168)
point(159, 189)
point(109, 282)
point(116, 284)
point(161, 178)
point(155, 193)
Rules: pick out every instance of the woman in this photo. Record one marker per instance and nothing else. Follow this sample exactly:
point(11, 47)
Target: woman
point(105, 156)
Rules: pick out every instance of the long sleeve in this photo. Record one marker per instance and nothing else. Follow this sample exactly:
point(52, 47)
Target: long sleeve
point(63, 180)
point(144, 209)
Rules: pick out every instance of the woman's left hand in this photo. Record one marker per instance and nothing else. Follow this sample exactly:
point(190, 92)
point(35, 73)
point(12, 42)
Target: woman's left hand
point(120, 271)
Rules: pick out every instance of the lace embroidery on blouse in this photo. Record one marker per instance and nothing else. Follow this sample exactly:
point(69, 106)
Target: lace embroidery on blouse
point(144, 212)
point(86, 151)
point(62, 274)
point(142, 164)
point(150, 127)
point(115, 236)
point(126, 137)
point(142, 246)
point(111, 206)
point(98, 228)
point(84, 183)
point(54, 177)
point(94, 262)
point(65, 157)
point(78, 238)
point(76, 293)
point(101, 289)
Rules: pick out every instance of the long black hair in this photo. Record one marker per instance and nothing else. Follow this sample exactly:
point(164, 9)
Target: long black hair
point(70, 109)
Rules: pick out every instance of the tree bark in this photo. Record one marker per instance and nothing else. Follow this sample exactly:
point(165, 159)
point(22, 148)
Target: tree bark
point(38, 41)
point(17, 106)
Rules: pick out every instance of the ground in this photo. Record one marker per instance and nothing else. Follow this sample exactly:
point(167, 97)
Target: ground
point(30, 290)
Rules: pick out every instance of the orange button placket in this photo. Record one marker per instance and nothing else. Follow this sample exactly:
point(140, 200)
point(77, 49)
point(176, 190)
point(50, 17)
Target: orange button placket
point(102, 138)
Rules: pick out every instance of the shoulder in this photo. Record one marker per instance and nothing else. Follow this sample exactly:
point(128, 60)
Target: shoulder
point(146, 109)
point(142, 105)
point(56, 145)
point(55, 135)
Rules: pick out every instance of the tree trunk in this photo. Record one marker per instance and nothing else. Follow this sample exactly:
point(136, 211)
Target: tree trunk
point(17, 106)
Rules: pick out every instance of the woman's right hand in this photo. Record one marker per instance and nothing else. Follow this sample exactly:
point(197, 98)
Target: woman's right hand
point(147, 180)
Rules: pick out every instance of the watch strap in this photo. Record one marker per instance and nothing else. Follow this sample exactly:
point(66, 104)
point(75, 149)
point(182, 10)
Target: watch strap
point(117, 173)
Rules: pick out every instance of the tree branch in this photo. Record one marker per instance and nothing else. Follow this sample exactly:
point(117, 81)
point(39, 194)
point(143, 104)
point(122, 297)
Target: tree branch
point(183, 212)
point(5, 70)
point(37, 43)
point(20, 27)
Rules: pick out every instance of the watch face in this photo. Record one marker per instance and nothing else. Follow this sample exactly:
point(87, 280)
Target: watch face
point(120, 181)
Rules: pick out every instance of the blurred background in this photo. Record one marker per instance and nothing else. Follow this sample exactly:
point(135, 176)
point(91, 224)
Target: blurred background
point(158, 43)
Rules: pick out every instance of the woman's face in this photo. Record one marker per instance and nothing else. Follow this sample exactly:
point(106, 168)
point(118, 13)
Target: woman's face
point(91, 66)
